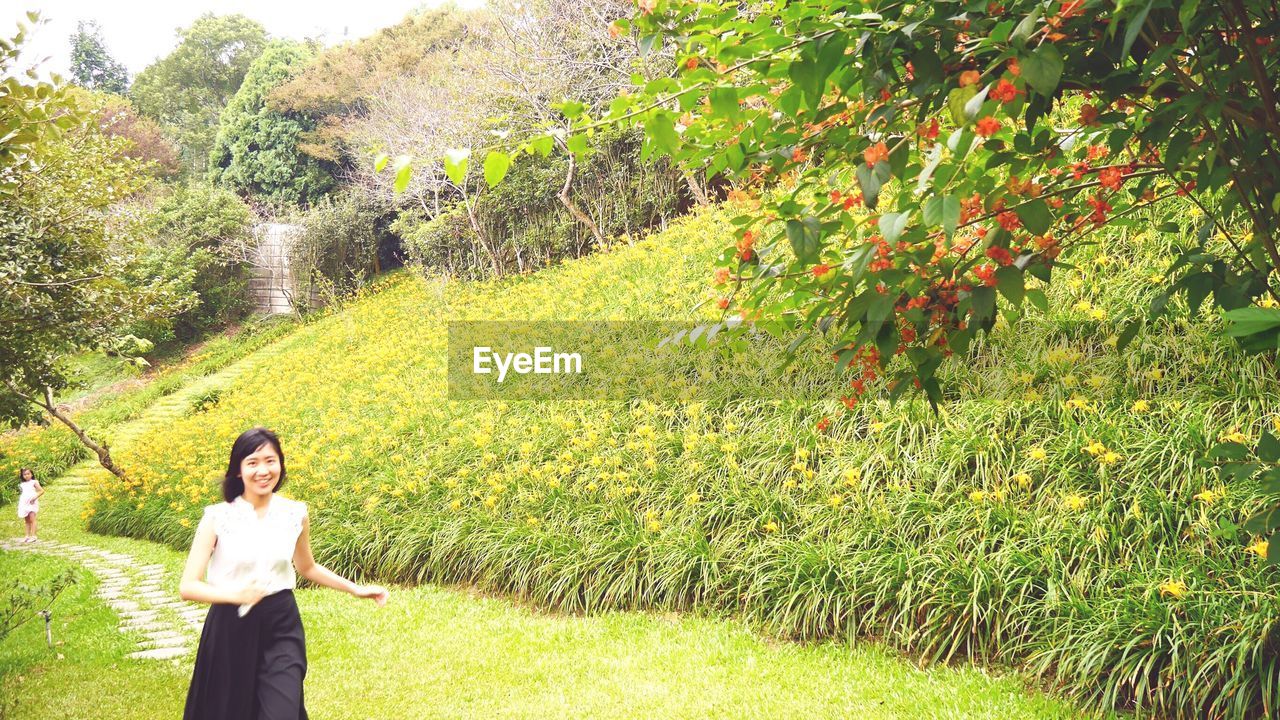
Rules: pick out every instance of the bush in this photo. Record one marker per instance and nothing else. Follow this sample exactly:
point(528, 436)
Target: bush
point(525, 219)
point(337, 250)
point(200, 237)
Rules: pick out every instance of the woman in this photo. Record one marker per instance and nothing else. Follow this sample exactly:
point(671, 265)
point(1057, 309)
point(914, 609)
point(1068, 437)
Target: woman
point(29, 501)
point(252, 656)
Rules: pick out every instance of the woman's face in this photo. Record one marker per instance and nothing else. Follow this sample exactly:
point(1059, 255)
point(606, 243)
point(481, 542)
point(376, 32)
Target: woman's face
point(260, 471)
point(28, 475)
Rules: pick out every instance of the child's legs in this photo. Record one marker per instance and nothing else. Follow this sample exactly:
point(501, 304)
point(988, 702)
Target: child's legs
point(30, 520)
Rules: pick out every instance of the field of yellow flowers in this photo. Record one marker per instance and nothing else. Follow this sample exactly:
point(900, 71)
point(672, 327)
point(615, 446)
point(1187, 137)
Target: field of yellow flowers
point(1052, 516)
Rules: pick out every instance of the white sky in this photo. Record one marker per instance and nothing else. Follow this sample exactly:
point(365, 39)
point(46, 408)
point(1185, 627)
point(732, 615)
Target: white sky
point(137, 32)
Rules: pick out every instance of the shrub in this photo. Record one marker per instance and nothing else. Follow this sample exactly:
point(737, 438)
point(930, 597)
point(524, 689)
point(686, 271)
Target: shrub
point(531, 227)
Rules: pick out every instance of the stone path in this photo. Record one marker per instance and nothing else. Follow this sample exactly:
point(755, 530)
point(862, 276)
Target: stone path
point(144, 595)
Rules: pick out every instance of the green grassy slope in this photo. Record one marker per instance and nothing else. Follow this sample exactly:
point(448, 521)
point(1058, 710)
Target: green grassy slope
point(1052, 516)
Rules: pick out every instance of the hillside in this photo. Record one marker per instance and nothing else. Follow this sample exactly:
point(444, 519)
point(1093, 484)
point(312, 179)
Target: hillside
point(1053, 516)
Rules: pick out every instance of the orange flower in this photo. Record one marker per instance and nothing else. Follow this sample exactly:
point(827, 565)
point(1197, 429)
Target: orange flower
point(1088, 115)
point(970, 77)
point(647, 6)
point(820, 270)
point(614, 29)
point(987, 126)
point(1005, 91)
point(691, 63)
point(876, 153)
point(1112, 177)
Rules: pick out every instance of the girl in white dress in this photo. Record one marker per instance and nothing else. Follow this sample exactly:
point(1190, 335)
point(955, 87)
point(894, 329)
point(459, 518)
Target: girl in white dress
point(252, 657)
point(29, 501)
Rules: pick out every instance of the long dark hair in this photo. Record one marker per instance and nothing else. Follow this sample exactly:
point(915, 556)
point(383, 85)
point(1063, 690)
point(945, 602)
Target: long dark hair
point(22, 473)
point(244, 446)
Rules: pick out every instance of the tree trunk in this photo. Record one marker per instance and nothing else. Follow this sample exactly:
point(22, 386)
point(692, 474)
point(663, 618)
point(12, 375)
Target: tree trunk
point(573, 209)
point(699, 195)
point(102, 451)
point(488, 249)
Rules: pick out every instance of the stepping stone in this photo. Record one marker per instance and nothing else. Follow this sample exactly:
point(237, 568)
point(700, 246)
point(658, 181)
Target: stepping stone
point(169, 642)
point(164, 653)
point(110, 593)
point(164, 634)
point(124, 605)
point(144, 624)
point(176, 605)
point(135, 614)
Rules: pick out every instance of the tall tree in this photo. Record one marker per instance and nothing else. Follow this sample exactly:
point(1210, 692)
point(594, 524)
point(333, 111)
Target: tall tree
point(92, 65)
point(256, 149)
point(188, 88)
point(60, 262)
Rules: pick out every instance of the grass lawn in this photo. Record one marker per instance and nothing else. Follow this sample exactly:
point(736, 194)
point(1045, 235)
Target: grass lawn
point(447, 653)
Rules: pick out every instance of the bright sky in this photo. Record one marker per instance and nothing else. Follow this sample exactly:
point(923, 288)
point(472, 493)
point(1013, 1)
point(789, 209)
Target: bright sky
point(137, 32)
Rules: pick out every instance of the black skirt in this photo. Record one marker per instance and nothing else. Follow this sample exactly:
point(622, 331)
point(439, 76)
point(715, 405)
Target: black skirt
point(251, 667)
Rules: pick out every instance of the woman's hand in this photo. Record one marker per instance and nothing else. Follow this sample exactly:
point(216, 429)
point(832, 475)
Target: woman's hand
point(376, 593)
point(250, 596)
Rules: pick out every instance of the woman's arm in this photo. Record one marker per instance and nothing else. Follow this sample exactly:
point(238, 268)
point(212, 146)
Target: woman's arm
point(39, 489)
point(194, 588)
point(305, 563)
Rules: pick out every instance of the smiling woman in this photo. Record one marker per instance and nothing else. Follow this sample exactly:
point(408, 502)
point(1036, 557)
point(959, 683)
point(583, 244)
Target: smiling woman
point(252, 664)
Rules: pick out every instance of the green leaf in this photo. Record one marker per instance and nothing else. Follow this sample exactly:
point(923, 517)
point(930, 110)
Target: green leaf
point(495, 167)
point(1035, 216)
point(1187, 13)
point(956, 100)
point(1129, 332)
point(724, 102)
point(380, 162)
point(577, 144)
point(1043, 69)
point(571, 108)
point(404, 173)
point(803, 239)
point(1268, 448)
point(662, 130)
point(1010, 283)
point(984, 303)
point(455, 164)
point(869, 183)
point(1038, 298)
point(892, 225)
point(950, 214)
point(1251, 321)
point(1135, 25)
point(933, 211)
point(1228, 451)
point(542, 144)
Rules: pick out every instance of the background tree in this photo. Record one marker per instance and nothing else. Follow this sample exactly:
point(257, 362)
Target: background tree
point(256, 150)
point(194, 235)
point(146, 140)
point(187, 89)
point(92, 66)
point(337, 87)
point(61, 261)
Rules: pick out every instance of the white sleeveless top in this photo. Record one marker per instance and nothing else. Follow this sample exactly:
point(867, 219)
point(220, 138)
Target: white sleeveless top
point(252, 548)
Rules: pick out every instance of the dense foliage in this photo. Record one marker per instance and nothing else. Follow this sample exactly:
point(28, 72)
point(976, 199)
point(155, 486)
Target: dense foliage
point(256, 150)
point(187, 89)
point(197, 237)
point(92, 65)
